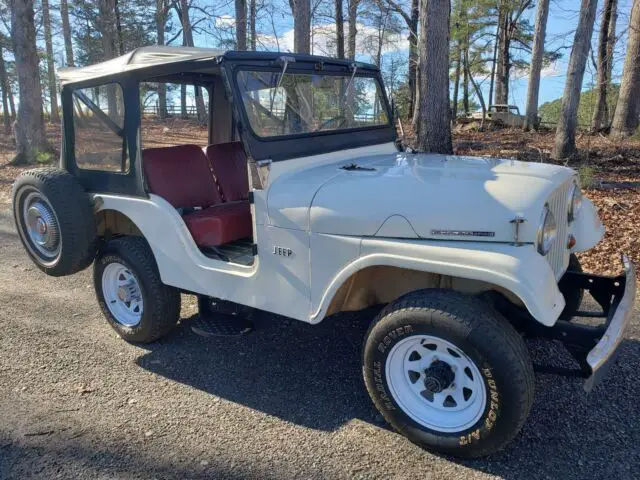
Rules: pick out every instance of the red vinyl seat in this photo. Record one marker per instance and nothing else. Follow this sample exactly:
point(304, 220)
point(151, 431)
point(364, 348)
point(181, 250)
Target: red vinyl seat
point(229, 163)
point(182, 175)
point(220, 224)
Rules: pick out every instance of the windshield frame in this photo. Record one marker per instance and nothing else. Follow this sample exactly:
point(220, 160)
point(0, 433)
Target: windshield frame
point(284, 147)
point(291, 71)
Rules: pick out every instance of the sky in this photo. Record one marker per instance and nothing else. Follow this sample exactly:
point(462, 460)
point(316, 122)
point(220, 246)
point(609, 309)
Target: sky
point(275, 28)
point(562, 22)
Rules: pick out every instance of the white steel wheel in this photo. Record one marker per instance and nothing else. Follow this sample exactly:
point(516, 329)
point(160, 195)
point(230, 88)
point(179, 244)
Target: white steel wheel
point(436, 383)
point(122, 294)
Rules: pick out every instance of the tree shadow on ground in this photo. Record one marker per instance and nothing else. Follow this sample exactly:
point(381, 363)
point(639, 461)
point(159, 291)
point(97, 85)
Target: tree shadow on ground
point(79, 460)
point(311, 376)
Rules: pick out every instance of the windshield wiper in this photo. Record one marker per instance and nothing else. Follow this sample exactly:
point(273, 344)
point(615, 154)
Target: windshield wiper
point(284, 61)
point(354, 69)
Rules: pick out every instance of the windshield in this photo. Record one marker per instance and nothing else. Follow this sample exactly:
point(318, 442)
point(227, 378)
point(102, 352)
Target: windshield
point(293, 103)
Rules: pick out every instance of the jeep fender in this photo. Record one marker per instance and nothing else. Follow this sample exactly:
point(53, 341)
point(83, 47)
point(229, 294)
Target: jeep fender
point(587, 228)
point(518, 269)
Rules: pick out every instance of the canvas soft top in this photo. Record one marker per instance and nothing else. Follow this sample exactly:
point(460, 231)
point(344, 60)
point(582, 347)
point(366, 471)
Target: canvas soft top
point(146, 57)
point(137, 59)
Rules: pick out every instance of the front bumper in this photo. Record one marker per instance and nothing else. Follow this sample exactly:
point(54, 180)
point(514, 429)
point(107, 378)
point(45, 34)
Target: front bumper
point(595, 347)
point(600, 358)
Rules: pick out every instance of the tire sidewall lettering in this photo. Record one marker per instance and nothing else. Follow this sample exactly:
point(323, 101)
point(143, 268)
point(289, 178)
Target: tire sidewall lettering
point(386, 340)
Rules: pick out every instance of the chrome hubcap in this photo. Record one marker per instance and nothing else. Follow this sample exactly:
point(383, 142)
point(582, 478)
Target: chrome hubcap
point(122, 294)
point(41, 226)
point(436, 383)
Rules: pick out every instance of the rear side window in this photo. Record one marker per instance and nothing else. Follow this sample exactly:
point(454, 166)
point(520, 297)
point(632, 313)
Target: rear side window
point(98, 118)
point(174, 114)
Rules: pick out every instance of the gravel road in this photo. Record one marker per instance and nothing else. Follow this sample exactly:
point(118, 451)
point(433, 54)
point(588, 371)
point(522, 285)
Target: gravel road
point(285, 402)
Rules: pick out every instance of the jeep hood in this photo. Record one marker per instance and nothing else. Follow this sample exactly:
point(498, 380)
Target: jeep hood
point(405, 195)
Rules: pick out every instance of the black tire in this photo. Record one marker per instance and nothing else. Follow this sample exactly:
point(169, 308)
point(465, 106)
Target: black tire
point(485, 337)
point(161, 303)
point(62, 196)
point(572, 295)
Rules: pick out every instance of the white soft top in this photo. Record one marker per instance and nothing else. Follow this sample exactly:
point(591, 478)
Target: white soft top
point(137, 59)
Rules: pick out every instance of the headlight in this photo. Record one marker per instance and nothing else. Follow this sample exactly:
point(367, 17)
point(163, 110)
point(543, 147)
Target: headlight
point(546, 231)
point(575, 202)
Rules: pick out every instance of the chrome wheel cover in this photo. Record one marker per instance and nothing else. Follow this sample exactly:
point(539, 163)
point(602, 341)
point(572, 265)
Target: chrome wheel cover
point(435, 383)
point(41, 226)
point(122, 294)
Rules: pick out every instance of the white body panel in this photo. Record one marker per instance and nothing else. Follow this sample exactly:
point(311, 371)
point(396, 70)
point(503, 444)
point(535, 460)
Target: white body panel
point(432, 192)
point(339, 222)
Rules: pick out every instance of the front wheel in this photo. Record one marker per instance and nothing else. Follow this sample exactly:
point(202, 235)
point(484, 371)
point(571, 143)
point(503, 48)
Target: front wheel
point(449, 373)
point(130, 292)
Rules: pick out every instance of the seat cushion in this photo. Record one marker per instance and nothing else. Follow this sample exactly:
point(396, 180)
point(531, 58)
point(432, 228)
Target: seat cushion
point(229, 163)
point(220, 224)
point(181, 175)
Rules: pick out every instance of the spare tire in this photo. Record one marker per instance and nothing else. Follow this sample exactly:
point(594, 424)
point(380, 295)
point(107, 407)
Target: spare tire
point(55, 221)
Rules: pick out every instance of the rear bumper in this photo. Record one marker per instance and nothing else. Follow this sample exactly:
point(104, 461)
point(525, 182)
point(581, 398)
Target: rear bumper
point(600, 358)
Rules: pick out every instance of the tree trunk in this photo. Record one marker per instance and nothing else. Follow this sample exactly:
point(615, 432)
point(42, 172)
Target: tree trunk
point(187, 40)
point(456, 80)
point(201, 112)
point(241, 24)
point(106, 27)
point(31, 138)
point(12, 103)
point(183, 101)
point(432, 122)
point(4, 84)
point(301, 26)
point(162, 14)
point(531, 120)
point(413, 53)
point(382, 28)
point(352, 18)
point(66, 33)
point(565, 142)
point(465, 80)
point(54, 117)
point(494, 59)
point(603, 67)
point(625, 119)
point(476, 87)
point(252, 24)
point(339, 29)
point(116, 9)
point(503, 63)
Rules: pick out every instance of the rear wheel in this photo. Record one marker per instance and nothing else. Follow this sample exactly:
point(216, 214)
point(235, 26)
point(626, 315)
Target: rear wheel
point(449, 373)
point(55, 221)
point(130, 292)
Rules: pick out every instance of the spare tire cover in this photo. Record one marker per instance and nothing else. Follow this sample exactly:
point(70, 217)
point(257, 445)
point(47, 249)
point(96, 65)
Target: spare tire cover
point(55, 221)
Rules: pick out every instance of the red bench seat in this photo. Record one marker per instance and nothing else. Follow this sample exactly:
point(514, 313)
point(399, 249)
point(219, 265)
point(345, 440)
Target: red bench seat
point(182, 175)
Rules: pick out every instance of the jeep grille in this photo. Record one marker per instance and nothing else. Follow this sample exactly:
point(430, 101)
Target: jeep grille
point(558, 256)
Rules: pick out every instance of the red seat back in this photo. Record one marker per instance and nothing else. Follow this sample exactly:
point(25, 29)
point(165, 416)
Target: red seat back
point(229, 163)
point(181, 175)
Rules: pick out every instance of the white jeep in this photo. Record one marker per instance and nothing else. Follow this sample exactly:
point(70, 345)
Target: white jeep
point(302, 202)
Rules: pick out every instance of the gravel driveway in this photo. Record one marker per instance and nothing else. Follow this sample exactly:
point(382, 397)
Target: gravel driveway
point(285, 402)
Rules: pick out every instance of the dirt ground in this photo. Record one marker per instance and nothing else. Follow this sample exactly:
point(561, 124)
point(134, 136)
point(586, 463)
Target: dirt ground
point(284, 402)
